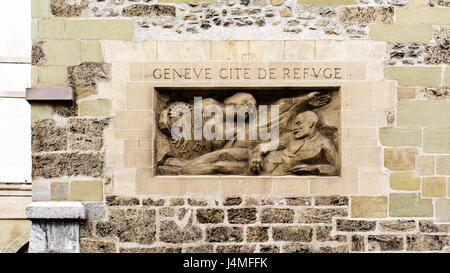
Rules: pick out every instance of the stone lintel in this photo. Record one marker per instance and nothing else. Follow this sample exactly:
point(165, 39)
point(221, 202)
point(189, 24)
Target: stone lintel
point(56, 210)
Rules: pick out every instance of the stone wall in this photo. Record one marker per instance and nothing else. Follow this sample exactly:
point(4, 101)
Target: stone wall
point(394, 194)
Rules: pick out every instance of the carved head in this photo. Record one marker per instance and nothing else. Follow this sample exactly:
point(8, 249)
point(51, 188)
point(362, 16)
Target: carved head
point(241, 98)
point(305, 124)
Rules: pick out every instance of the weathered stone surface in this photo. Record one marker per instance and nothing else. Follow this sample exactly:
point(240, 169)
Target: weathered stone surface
point(59, 191)
point(426, 242)
point(197, 202)
point(400, 159)
point(430, 227)
point(167, 212)
point(369, 206)
point(83, 77)
point(405, 181)
point(292, 234)
point(332, 249)
point(442, 92)
point(66, 8)
point(385, 243)
point(298, 201)
point(141, 10)
point(86, 134)
point(257, 234)
point(409, 205)
point(213, 216)
point(176, 201)
point(323, 234)
point(94, 210)
point(97, 246)
point(235, 249)
point(47, 136)
point(232, 201)
point(296, 248)
point(114, 200)
point(398, 225)
point(153, 202)
point(130, 225)
point(60, 236)
point(354, 225)
point(315, 215)
point(150, 250)
point(358, 243)
point(224, 234)
point(38, 53)
point(56, 210)
point(438, 50)
point(242, 215)
point(366, 15)
point(199, 249)
point(331, 200)
point(170, 232)
point(277, 216)
point(269, 249)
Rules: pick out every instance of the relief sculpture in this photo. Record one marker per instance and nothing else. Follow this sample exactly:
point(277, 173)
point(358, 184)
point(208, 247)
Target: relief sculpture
point(234, 135)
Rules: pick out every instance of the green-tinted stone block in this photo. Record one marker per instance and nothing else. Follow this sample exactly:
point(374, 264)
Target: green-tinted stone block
point(51, 29)
point(414, 76)
point(91, 51)
point(99, 29)
point(443, 165)
point(447, 77)
point(53, 76)
point(436, 140)
point(400, 137)
point(401, 32)
point(59, 191)
point(443, 210)
point(409, 205)
point(86, 191)
point(404, 181)
point(40, 8)
point(423, 113)
point(40, 111)
point(95, 108)
point(63, 52)
point(435, 16)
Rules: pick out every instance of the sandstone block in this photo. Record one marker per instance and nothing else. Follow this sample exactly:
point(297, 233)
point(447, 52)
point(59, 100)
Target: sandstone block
point(423, 114)
point(59, 191)
point(40, 8)
point(443, 210)
point(414, 76)
point(52, 76)
point(436, 16)
point(50, 29)
point(400, 137)
point(436, 141)
point(434, 187)
point(95, 108)
point(443, 165)
point(86, 191)
point(99, 29)
point(369, 206)
point(401, 32)
point(404, 181)
point(409, 205)
point(400, 159)
point(91, 51)
point(97, 246)
point(46, 135)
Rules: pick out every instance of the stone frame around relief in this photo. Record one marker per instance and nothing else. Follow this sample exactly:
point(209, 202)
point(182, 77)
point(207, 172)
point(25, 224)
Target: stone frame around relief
point(286, 90)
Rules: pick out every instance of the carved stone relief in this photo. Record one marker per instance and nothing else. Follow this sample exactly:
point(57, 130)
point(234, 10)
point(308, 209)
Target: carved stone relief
point(235, 131)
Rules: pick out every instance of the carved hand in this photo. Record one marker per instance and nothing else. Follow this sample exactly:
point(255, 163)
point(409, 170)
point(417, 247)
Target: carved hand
point(256, 162)
point(317, 100)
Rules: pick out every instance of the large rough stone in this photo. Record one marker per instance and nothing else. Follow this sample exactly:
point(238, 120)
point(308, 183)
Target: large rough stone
point(314, 215)
point(354, 225)
point(323, 234)
point(438, 51)
point(297, 248)
point(366, 15)
point(385, 243)
point(426, 242)
point(242, 215)
point(235, 249)
point(269, 249)
point(358, 243)
point(298, 201)
point(430, 227)
point(206, 216)
point(129, 225)
point(97, 246)
point(224, 234)
point(292, 234)
point(332, 200)
point(232, 201)
point(398, 225)
point(153, 202)
point(114, 200)
point(199, 249)
point(86, 134)
point(170, 232)
point(38, 53)
point(68, 8)
point(54, 165)
point(273, 215)
point(257, 234)
point(47, 136)
point(141, 10)
point(83, 77)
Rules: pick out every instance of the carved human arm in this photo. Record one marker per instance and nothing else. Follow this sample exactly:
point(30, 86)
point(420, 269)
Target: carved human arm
point(260, 151)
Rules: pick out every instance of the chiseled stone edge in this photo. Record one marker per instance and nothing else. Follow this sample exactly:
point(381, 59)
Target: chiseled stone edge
point(56, 210)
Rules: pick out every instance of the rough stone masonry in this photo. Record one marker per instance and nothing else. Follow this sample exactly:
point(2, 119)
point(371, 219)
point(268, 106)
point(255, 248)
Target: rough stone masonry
point(392, 195)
